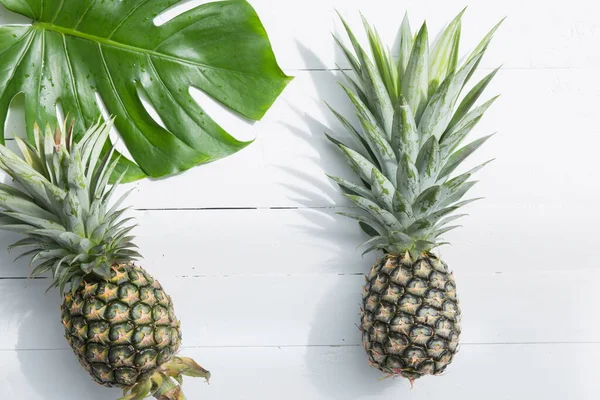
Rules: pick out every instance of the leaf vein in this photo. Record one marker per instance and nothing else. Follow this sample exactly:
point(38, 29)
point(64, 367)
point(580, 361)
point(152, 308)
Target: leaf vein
point(17, 42)
point(39, 91)
point(73, 87)
point(14, 70)
point(177, 31)
point(125, 18)
point(170, 95)
point(30, 9)
point(83, 14)
point(114, 89)
point(122, 46)
point(62, 2)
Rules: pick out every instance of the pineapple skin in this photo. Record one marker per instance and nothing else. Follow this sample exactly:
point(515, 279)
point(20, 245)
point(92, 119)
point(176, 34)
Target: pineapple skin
point(122, 330)
point(410, 316)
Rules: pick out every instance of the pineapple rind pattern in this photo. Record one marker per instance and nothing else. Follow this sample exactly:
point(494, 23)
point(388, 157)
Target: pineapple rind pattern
point(410, 317)
point(122, 329)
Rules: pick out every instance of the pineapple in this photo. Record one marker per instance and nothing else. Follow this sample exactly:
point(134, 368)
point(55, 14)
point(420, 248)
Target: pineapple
point(117, 318)
point(412, 121)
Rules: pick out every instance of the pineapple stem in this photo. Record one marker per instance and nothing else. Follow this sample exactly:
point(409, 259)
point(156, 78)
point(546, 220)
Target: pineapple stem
point(165, 383)
point(169, 391)
point(173, 371)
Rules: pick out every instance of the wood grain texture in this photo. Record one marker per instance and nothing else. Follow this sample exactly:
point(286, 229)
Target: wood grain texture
point(266, 277)
point(313, 242)
point(324, 310)
point(331, 373)
point(534, 35)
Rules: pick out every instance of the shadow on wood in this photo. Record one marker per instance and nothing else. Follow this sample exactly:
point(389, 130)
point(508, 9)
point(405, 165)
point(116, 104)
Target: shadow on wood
point(342, 380)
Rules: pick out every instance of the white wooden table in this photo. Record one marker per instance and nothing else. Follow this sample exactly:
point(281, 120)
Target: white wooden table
point(266, 278)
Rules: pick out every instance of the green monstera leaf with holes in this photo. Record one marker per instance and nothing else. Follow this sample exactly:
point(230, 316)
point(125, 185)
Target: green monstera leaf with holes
point(76, 50)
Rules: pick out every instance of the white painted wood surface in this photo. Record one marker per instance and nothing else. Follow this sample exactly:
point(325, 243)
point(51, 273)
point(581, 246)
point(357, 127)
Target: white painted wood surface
point(266, 278)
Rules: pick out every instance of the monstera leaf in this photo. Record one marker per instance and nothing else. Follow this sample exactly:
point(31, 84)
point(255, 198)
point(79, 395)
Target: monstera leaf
point(75, 50)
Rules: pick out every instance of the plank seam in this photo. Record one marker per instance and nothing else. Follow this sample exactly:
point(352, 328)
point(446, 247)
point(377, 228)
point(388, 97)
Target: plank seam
point(325, 274)
point(480, 69)
point(281, 347)
point(275, 208)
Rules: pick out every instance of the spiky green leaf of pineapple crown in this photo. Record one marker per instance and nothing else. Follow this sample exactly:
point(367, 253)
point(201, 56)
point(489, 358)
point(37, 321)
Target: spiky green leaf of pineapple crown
point(411, 127)
point(61, 204)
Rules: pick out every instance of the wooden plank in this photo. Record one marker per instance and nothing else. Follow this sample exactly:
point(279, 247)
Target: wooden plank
point(323, 310)
point(317, 241)
point(236, 242)
point(300, 31)
point(493, 372)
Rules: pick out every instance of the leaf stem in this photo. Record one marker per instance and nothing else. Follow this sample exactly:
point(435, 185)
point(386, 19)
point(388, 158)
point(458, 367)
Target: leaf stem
point(98, 39)
point(111, 43)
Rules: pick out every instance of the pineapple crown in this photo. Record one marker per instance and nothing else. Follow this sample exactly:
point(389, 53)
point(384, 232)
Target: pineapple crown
point(410, 129)
point(61, 204)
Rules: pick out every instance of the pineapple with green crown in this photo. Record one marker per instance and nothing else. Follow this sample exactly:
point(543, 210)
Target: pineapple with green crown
point(412, 122)
point(117, 318)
